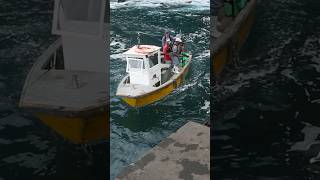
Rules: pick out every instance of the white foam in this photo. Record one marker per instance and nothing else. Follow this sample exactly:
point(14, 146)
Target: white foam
point(206, 106)
point(203, 56)
point(244, 78)
point(288, 73)
point(317, 101)
point(158, 3)
point(315, 159)
point(310, 135)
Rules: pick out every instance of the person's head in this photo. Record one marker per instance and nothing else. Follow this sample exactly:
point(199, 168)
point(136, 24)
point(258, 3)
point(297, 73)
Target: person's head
point(178, 40)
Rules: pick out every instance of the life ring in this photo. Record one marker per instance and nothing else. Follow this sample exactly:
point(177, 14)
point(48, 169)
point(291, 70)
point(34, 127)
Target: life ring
point(142, 49)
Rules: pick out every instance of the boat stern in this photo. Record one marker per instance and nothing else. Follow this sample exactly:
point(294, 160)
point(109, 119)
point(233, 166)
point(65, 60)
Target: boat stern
point(125, 92)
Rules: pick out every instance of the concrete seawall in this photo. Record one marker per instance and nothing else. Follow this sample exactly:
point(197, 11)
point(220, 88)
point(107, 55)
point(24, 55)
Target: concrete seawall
point(184, 155)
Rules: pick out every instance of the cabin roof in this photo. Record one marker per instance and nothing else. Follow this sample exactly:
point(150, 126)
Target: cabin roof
point(142, 50)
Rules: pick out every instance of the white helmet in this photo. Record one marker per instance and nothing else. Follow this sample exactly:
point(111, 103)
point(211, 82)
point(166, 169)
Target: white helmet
point(178, 39)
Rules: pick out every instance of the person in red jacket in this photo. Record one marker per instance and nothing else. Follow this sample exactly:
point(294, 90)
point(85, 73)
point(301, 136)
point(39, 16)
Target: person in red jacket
point(166, 52)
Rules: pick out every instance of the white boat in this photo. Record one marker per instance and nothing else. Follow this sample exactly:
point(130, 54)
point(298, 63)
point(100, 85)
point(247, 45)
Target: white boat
point(66, 87)
point(149, 79)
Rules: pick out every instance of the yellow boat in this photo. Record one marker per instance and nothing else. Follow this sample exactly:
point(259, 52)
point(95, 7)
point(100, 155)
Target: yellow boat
point(72, 102)
point(234, 34)
point(148, 79)
point(66, 87)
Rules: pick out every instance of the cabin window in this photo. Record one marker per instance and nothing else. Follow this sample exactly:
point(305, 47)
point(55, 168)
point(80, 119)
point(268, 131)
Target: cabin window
point(135, 65)
point(49, 63)
point(79, 16)
point(153, 60)
point(82, 10)
point(55, 61)
point(59, 58)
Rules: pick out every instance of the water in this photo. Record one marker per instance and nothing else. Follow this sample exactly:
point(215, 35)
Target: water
point(266, 114)
point(28, 149)
point(135, 131)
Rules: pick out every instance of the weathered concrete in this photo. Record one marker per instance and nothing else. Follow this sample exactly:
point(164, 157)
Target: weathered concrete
point(183, 155)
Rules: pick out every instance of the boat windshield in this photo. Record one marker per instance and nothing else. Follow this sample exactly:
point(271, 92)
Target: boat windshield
point(135, 65)
point(82, 10)
point(80, 16)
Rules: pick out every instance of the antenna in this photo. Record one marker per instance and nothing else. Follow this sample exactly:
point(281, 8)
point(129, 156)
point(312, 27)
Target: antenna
point(181, 35)
point(138, 38)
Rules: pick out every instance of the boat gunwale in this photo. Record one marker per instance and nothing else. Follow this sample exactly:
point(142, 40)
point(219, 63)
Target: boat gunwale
point(166, 84)
point(41, 60)
point(233, 28)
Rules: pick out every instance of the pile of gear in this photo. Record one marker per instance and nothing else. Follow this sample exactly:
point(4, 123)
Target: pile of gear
point(174, 51)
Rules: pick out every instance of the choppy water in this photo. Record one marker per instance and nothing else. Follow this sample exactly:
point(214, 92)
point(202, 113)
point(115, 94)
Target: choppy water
point(135, 131)
point(266, 123)
point(28, 149)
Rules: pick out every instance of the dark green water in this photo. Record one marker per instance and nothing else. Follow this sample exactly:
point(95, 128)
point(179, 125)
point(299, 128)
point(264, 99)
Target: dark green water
point(266, 123)
point(135, 131)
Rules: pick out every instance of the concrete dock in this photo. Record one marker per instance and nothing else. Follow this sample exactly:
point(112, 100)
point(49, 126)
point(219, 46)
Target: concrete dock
point(184, 155)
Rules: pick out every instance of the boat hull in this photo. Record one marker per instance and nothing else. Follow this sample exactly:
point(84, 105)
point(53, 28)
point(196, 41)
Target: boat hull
point(86, 120)
point(158, 94)
point(79, 129)
point(224, 55)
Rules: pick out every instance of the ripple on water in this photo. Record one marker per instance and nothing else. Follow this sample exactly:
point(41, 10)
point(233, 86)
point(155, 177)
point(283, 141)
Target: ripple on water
point(267, 109)
point(134, 131)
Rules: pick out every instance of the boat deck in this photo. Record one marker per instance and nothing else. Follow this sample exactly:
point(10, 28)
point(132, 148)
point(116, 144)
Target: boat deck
point(185, 154)
point(136, 90)
point(133, 90)
point(65, 90)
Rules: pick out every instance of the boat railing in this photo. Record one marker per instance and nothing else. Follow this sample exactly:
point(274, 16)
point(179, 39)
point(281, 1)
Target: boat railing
point(228, 36)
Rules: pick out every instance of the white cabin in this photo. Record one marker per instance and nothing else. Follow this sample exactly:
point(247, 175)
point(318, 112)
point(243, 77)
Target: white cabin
point(144, 65)
point(83, 29)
